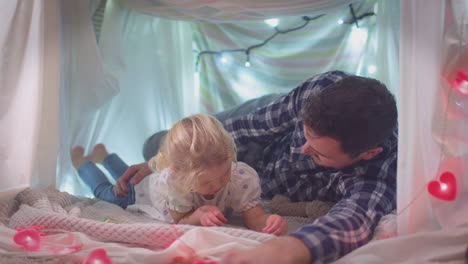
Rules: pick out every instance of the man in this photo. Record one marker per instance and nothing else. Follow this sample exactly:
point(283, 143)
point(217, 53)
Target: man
point(332, 138)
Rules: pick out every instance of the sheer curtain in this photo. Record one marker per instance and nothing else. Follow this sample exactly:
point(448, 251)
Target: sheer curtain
point(217, 11)
point(433, 114)
point(137, 81)
point(29, 92)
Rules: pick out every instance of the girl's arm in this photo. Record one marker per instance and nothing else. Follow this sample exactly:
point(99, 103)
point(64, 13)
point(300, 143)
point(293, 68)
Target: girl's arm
point(257, 219)
point(206, 215)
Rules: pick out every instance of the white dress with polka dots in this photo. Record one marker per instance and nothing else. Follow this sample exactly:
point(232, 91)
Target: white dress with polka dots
point(154, 197)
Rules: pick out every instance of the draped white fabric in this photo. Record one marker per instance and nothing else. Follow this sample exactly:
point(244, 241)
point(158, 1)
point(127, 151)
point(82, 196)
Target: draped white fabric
point(433, 48)
point(233, 10)
point(140, 81)
point(29, 84)
point(322, 45)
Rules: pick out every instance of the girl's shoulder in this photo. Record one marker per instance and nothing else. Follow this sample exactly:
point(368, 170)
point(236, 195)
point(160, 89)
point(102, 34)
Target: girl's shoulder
point(242, 173)
point(242, 168)
point(160, 177)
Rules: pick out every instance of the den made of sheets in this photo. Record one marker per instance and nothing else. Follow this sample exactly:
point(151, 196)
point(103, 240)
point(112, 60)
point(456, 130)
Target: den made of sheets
point(117, 71)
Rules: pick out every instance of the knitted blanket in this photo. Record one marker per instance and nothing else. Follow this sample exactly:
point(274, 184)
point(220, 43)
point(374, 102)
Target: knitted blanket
point(157, 242)
point(100, 220)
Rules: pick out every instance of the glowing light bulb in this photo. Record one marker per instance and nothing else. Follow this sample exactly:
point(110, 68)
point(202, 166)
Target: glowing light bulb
point(358, 37)
point(272, 22)
point(224, 59)
point(341, 21)
point(371, 69)
point(443, 186)
point(28, 238)
point(460, 83)
point(97, 256)
point(247, 64)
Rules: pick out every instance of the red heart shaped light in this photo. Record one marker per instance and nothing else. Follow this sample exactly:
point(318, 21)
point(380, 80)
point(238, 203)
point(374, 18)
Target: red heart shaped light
point(445, 188)
point(97, 256)
point(29, 239)
point(460, 83)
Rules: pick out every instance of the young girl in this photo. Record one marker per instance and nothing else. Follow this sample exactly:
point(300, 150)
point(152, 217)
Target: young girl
point(197, 179)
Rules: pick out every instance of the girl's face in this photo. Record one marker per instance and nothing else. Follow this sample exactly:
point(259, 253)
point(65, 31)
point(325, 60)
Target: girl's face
point(213, 179)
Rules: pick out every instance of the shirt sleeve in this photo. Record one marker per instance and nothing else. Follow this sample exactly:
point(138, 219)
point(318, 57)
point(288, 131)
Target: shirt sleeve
point(278, 118)
point(264, 124)
point(351, 222)
point(245, 188)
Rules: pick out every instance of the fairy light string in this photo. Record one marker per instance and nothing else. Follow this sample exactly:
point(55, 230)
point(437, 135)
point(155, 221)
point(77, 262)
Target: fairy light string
point(277, 31)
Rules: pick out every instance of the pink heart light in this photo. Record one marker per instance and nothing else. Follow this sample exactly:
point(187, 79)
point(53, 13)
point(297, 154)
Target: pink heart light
point(445, 188)
point(97, 256)
point(460, 82)
point(29, 239)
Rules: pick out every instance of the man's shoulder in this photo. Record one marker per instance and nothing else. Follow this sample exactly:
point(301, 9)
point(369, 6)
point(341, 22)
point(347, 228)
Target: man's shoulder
point(321, 81)
point(332, 76)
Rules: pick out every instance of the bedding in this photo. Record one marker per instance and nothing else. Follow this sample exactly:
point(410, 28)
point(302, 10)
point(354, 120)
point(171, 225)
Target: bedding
point(96, 224)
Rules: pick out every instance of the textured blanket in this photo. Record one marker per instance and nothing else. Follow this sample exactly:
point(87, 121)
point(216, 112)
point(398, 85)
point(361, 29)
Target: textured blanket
point(100, 220)
point(140, 239)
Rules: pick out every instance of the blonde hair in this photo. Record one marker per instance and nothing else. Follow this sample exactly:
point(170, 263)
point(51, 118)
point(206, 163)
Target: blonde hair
point(192, 145)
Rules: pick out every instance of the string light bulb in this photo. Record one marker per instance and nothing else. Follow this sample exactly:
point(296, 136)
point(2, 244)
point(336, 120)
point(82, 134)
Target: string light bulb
point(445, 188)
point(460, 83)
point(274, 22)
point(224, 59)
point(371, 69)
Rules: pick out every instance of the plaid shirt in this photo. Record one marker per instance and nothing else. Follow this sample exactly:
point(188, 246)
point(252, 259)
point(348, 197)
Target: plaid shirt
point(364, 192)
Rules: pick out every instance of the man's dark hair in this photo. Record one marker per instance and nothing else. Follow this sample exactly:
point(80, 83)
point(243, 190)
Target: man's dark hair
point(357, 111)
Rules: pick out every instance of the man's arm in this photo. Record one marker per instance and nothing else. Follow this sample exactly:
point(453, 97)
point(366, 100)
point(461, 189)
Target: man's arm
point(352, 221)
point(133, 175)
point(283, 250)
point(279, 117)
point(349, 225)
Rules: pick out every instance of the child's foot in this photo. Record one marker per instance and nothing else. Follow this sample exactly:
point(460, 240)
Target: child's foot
point(98, 154)
point(77, 156)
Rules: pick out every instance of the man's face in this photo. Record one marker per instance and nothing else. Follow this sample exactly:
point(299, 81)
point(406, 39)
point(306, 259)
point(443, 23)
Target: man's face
point(326, 151)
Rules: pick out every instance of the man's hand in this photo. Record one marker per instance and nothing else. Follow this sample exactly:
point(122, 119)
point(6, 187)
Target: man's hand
point(283, 250)
point(210, 216)
point(134, 175)
point(275, 225)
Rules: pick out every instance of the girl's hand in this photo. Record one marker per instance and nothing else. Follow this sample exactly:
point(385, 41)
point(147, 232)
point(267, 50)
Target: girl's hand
point(210, 216)
point(275, 225)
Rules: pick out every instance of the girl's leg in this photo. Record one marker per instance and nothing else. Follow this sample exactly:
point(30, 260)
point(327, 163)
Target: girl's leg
point(95, 178)
point(115, 165)
point(101, 187)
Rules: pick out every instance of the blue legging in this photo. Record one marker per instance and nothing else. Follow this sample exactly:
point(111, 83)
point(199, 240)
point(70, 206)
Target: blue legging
point(100, 185)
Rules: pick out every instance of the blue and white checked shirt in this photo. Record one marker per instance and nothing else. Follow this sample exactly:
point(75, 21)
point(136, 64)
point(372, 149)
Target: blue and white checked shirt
point(364, 192)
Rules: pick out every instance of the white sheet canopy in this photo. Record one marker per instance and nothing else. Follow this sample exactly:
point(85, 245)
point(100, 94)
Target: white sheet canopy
point(59, 88)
